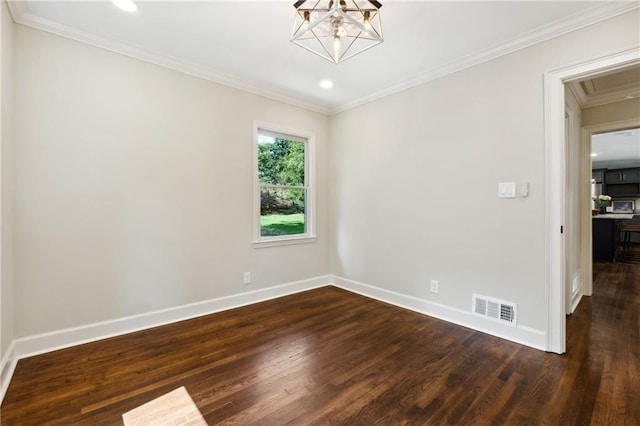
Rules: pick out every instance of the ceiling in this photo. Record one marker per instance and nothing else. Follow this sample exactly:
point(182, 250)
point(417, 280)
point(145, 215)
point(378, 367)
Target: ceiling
point(245, 44)
point(612, 147)
point(620, 81)
point(616, 86)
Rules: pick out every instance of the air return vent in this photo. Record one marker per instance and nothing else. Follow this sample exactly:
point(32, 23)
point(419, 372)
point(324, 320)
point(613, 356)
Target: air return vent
point(498, 310)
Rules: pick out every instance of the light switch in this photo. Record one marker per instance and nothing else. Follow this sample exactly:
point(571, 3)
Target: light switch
point(507, 190)
point(524, 189)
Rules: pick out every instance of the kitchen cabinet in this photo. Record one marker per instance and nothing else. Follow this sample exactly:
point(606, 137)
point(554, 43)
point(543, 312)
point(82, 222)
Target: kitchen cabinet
point(605, 239)
point(622, 176)
point(606, 234)
point(619, 190)
point(598, 175)
point(622, 182)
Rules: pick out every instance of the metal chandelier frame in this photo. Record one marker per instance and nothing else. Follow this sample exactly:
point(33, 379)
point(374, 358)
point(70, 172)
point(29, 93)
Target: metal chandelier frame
point(337, 29)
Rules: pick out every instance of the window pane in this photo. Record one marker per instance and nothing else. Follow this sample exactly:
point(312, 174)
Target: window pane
point(280, 161)
point(282, 211)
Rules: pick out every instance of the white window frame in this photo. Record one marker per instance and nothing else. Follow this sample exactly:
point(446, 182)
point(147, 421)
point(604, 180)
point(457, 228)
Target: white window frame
point(309, 139)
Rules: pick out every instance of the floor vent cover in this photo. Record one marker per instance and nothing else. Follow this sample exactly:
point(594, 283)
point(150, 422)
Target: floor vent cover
point(495, 309)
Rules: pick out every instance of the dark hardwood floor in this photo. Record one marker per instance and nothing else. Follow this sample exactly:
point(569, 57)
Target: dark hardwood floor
point(328, 356)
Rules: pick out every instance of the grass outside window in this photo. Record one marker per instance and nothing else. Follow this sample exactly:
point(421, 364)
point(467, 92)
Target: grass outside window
point(274, 225)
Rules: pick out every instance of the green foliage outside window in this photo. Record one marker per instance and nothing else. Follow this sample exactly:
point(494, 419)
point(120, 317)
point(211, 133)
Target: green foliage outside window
point(281, 162)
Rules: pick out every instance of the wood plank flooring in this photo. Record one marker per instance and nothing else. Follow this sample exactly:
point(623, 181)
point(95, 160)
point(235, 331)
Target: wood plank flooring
point(328, 356)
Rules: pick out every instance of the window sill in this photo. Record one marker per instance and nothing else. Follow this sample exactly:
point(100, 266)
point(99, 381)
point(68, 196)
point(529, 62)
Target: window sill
point(284, 241)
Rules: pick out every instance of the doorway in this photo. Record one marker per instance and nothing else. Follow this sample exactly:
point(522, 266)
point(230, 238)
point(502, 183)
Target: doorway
point(615, 152)
point(555, 190)
point(607, 105)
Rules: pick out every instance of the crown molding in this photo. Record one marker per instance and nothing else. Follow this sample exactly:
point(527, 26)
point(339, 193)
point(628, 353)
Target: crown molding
point(592, 16)
point(588, 101)
point(17, 9)
point(578, 93)
point(24, 17)
point(21, 15)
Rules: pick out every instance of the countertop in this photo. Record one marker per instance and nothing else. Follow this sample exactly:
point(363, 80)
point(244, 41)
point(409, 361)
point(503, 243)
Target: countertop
point(614, 216)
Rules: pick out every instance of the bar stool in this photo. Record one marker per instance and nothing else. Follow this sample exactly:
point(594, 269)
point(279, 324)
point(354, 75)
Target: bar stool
point(627, 229)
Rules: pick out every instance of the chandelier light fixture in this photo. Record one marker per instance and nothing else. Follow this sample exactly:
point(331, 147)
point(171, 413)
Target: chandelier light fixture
point(337, 29)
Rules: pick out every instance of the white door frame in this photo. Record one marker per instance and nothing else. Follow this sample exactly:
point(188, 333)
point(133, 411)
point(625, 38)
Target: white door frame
point(554, 183)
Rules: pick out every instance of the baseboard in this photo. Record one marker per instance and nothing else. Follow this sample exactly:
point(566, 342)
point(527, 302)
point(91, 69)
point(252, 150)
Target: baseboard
point(575, 301)
point(576, 295)
point(38, 344)
point(60, 339)
point(519, 334)
point(7, 366)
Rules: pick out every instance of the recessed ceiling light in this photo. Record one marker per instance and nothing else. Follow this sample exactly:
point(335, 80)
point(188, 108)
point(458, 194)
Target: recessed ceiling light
point(326, 84)
point(126, 5)
point(594, 154)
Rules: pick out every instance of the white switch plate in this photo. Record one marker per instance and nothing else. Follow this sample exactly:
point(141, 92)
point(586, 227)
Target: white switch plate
point(507, 190)
point(524, 189)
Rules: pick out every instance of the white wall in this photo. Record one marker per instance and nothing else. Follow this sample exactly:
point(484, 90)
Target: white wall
point(414, 177)
point(133, 184)
point(6, 186)
point(134, 187)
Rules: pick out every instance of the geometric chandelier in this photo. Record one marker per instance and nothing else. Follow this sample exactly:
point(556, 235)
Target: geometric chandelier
point(337, 30)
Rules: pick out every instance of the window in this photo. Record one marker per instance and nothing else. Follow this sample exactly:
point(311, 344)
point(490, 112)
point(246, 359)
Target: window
point(284, 186)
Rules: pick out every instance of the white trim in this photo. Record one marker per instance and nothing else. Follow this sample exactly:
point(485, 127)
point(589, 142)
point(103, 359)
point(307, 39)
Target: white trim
point(17, 9)
point(309, 138)
point(284, 241)
point(7, 367)
point(586, 232)
point(554, 213)
point(577, 181)
point(575, 295)
point(592, 100)
point(554, 182)
point(520, 334)
point(608, 98)
point(578, 93)
point(60, 339)
point(606, 10)
point(575, 301)
point(567, 217)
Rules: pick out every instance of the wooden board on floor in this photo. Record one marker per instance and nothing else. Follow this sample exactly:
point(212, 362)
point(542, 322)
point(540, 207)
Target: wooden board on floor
point(329, 356)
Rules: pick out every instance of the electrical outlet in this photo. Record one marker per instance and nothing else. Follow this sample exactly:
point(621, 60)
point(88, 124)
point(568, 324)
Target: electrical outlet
point(247, 278)
point(434, 286)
